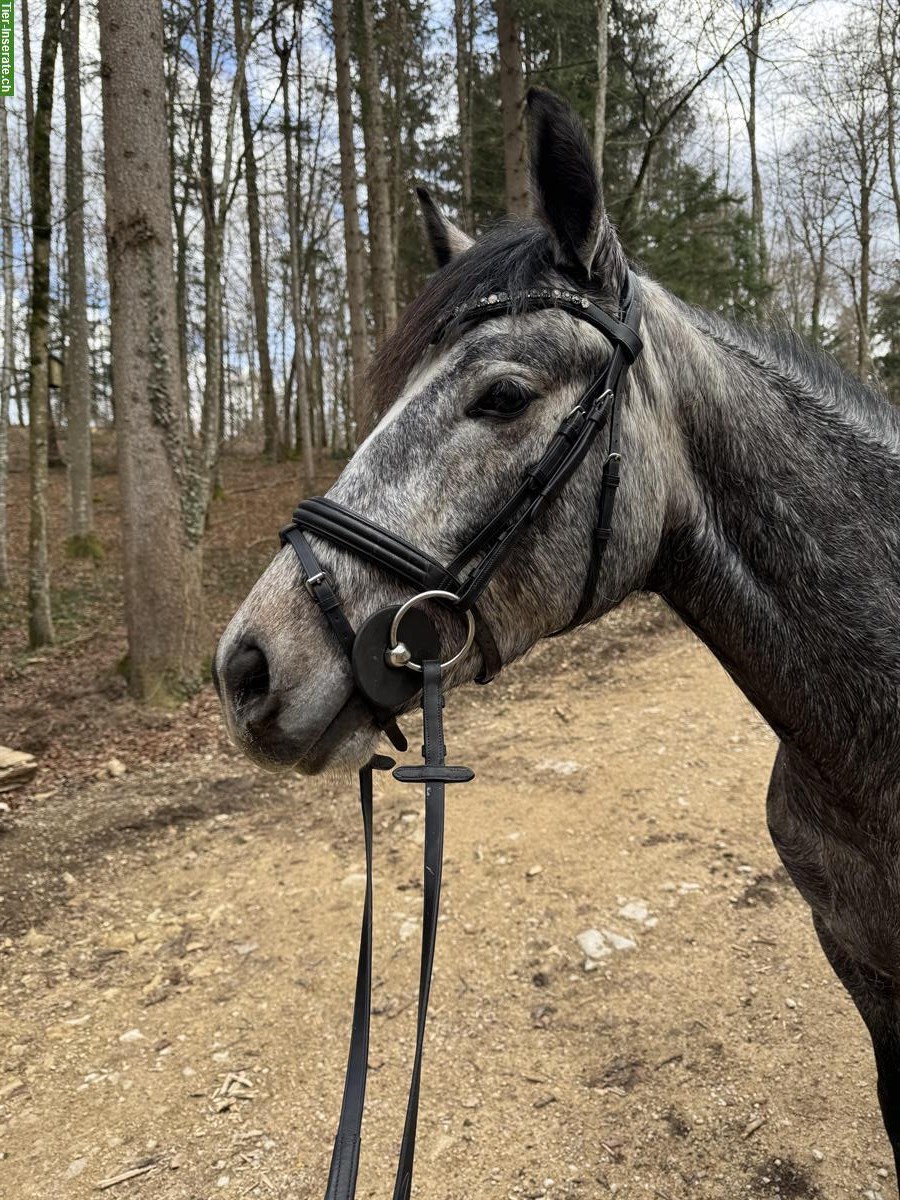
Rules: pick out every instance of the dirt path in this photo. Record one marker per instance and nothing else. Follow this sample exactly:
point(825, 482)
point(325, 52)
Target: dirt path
point(197, 921)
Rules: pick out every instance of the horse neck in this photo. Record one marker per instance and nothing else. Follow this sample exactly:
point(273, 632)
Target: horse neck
point(785, 555)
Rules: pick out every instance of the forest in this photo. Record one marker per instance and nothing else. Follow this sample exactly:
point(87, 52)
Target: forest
point(209, 225)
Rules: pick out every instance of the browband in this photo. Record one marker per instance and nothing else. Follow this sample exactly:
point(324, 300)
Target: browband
point(541, 299)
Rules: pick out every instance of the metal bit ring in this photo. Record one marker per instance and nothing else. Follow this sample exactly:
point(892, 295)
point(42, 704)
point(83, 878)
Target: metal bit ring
point(396, 651)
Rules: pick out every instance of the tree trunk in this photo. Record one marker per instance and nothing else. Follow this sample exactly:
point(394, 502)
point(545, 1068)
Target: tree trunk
point(888, 44)
point(287, 372)
point(864, 346)
point(257, 278)
point(8, 366)
point(161, 498)
point(756, 197)
point(815, 314)
point(210, 429)
point(29, 80)
point(463, 22)
point(602, 84)
point(304, 425)
point(512, 108)
point(180, 205)
point(353, 249)
point(78, 368)
point(396, 66)
point(181, 291)
point(54, 454)
point(20, 403)
point(384, 273)
point(316, 389)
point(40, 621)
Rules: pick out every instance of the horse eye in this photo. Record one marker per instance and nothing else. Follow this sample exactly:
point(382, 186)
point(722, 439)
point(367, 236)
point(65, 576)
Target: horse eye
point(503, 400)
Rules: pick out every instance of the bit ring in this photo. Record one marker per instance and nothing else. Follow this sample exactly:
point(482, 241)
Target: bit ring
point(396, 659)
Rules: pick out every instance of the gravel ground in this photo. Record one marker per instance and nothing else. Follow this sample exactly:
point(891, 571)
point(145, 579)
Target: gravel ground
point(628, 998)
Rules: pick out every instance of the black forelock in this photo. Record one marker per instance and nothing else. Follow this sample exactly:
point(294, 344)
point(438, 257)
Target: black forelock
point(511, 257)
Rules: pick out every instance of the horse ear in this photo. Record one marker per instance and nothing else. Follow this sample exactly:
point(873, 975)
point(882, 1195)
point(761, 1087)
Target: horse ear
point(565, 188)
point(446, 239)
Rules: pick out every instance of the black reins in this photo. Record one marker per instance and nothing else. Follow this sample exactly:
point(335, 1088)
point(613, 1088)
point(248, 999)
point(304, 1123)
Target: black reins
point(396, 651)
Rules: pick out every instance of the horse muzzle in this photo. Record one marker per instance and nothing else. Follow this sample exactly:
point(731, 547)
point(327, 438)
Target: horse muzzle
point(313, 724)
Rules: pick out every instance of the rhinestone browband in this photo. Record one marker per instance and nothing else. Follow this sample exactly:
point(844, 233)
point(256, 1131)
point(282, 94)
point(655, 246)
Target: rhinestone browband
point(530, 294)
point(530, 298)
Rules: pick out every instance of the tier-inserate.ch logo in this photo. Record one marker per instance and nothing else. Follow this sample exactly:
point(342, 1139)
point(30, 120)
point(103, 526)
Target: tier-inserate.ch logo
point(7, 49)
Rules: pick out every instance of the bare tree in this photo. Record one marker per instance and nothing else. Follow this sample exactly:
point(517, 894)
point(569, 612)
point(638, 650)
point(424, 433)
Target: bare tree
point(353, 248)
point(257, 280)
point(602, 7)
point(657, 112)
point(183, 124)
point(162, 491)
point(284, 50)
point(40, 621)
point(887, 40)
point(810, 197)
point(845, 86)
point(78, 369)
point(464, 28)
point(512, 108)
point(28, 72)
point(211, 204)
point(381, 240)
point(753, 15)
point(398, 52)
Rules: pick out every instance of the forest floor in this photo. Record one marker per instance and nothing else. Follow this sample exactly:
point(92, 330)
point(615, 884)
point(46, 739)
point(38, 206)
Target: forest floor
point(178, 931)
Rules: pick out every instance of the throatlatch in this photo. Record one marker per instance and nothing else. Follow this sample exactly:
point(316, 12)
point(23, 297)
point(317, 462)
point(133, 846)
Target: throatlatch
point(396, 653)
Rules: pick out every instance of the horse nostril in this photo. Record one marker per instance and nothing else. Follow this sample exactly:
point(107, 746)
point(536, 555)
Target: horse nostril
point(247, 673)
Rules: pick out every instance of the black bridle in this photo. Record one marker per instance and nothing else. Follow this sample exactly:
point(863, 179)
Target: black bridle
point(396, 652)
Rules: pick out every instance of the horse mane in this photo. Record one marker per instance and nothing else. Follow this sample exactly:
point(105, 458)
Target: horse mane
point(778, 350)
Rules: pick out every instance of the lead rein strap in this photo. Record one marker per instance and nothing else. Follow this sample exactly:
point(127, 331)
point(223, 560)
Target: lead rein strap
point(435, 775)
point(345, 1156)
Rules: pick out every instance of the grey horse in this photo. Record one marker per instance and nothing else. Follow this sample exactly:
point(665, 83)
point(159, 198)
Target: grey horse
point(759, 499)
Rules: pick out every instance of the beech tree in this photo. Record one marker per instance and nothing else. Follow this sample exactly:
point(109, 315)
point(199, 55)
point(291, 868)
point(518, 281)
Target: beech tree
point(254, 243)
point(78, 372)
point(353, 244)
point(162, 490)
point(845, 83)
point(284, 51)
point(381, 241)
